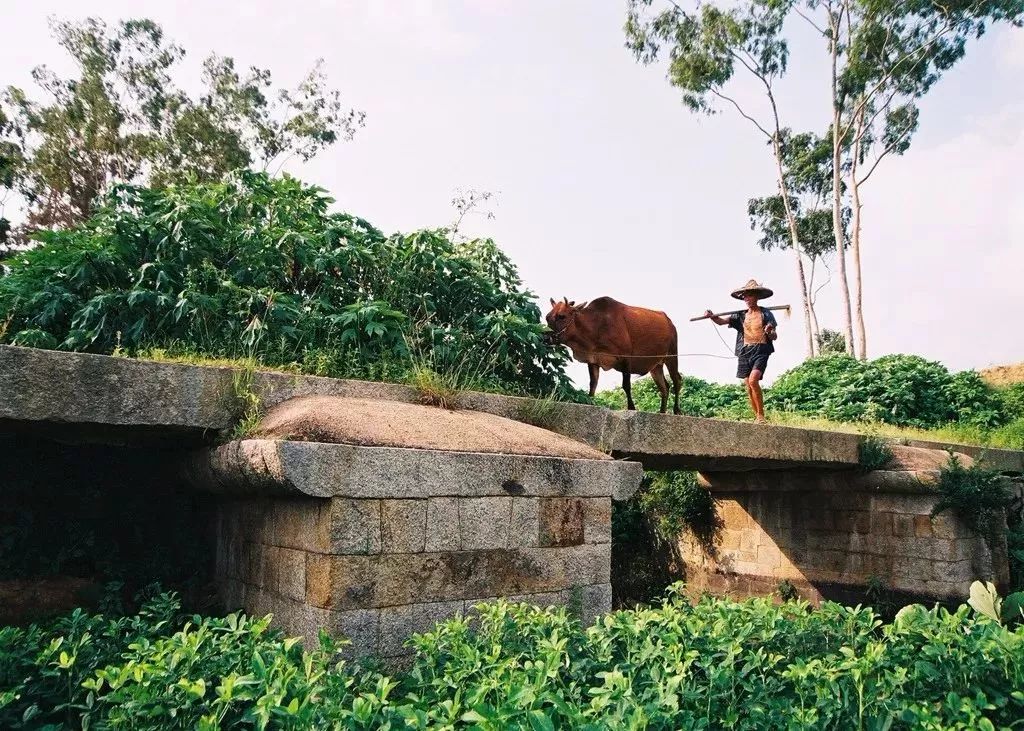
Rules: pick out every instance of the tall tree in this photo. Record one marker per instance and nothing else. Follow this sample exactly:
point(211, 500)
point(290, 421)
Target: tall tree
point(121, 119)
point(705, 49)
point(11, 161)
point(807, 162)
point(885, 55)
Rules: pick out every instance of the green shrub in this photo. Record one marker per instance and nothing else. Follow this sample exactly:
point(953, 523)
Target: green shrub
point(905, 390)
point(697, 398)
point(713, 664)
point(973, 401)
point(979, 496)
point(1012, 398)
point(875, 453)
point(678, 503)
point(257, 267)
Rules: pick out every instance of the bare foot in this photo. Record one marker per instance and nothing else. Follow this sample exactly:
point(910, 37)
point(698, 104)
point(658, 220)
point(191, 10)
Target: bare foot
point(759, 420)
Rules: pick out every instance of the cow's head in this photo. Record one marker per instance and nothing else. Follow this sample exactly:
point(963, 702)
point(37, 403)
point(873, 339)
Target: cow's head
point(561, 319)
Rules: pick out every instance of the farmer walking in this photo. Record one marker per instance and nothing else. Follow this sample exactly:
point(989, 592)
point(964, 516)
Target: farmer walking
point(755, 333)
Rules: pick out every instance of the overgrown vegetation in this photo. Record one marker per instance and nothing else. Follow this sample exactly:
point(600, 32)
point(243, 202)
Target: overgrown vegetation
point(697, 398)
point(678, 504)
point(875, 453)
point(978, 496)
point(905, 390)
point(713, 664)
point(256, 268)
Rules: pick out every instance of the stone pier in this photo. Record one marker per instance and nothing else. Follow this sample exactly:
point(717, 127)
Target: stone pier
point(831, 535)
point(374, 543)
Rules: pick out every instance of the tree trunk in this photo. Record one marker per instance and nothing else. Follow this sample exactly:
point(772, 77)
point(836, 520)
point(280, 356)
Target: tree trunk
point(815, 329)
point(795, 240)
point(837, 192)
point(862, 343)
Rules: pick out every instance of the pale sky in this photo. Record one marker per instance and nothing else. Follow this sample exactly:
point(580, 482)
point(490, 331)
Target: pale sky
point(605, 183)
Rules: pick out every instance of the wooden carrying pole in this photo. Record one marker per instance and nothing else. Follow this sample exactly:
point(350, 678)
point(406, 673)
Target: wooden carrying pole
point(736, 312)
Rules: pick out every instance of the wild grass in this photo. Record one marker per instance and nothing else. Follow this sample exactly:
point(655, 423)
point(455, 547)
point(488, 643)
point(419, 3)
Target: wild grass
point(1010, 436)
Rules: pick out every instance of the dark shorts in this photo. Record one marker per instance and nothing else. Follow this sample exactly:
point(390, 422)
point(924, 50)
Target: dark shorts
point(752, 358)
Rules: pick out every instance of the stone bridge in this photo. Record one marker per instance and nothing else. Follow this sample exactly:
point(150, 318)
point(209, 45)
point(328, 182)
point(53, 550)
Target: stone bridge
point(410, 514)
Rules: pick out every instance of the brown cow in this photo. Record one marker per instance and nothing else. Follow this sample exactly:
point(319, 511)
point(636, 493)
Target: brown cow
point(607, 334)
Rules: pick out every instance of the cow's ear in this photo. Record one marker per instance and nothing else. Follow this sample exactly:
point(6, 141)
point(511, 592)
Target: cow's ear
point(572, 303)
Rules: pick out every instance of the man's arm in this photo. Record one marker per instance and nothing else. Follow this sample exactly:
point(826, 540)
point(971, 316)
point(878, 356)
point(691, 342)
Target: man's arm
point(770, 331)
point(715, 318)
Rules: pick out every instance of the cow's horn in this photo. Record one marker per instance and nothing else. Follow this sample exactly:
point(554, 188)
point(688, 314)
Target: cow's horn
point(581, 305)
point(566, 300)
point(552, 301)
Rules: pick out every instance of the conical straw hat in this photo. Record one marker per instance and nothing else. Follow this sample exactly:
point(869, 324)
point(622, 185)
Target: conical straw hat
point(752, 287)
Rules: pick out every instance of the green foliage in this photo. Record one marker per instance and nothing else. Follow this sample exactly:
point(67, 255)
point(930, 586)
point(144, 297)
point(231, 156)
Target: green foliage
point(248, 404)
point(830, 342)
point(714, 664)
point(256, 268)
point(697, 398)
point(678, 504)
point(905, 390)
point(979, 496)
point(122, 119)
point(875, 453)
point(786, 591)
point(1012, 398)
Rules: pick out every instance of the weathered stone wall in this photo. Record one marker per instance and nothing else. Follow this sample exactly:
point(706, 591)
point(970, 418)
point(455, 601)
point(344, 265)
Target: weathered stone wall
point(832, 536)
point(375, 571)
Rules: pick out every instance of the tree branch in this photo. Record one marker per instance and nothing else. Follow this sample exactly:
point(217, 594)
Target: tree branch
point(886, 151)
point(742, 113)
point(809, 21)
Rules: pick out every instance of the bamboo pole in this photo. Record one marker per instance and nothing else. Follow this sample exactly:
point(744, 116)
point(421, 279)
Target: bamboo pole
point(736, 312)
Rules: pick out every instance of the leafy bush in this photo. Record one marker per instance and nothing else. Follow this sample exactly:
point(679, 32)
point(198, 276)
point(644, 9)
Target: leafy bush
point(678, 503)
point(714, 664)
point(875, 453)
point(973, 401)
point(256, 267)
point(979, 496)
point(697, 398)
point(1012, 398)
point(905, 390)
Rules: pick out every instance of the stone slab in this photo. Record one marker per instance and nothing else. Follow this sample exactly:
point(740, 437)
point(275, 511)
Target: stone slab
point(257, 466)
point(365, 582)
point(379, 423)
point(77, 395)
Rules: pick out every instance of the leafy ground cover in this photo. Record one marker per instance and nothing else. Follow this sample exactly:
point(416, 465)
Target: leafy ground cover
point(713, 664)
point(257, 268)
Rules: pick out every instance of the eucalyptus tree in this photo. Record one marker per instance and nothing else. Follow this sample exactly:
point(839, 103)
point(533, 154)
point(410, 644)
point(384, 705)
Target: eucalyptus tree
point(706, 49)
point(884, 55)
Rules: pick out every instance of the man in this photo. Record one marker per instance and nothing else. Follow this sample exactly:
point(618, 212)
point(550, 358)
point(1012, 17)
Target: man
point(755, 333)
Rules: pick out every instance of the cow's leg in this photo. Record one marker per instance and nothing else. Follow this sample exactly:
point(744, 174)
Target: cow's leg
point(595, 371)
point(658, 374)
point(627, 387)
point(677, 380)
